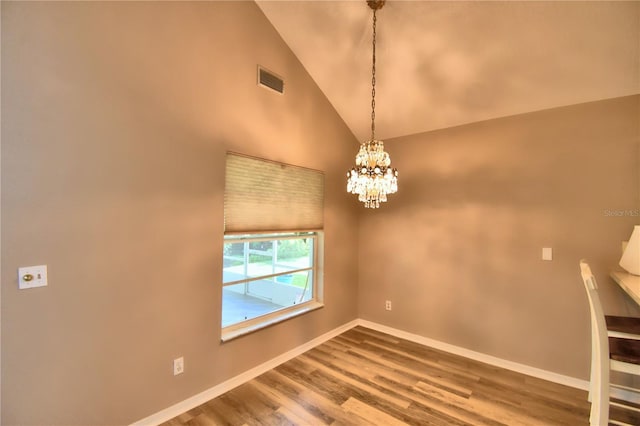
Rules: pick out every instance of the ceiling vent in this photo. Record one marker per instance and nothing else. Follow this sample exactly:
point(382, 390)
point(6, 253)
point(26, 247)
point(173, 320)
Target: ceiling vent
point(269, 80)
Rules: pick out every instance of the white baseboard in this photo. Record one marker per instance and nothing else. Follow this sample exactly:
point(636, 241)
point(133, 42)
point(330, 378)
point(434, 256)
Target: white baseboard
point(192, 402)
point(201, 398)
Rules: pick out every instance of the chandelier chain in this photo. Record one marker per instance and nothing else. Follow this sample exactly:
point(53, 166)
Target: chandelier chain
point(373, 178)
point(373, 81)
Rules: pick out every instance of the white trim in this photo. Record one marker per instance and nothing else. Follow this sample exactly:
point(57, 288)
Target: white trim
point(477, 356)
point(242, 329)
point(192, 402)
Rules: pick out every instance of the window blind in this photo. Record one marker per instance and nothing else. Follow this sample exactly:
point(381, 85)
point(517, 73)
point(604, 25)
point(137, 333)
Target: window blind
point(262, 195)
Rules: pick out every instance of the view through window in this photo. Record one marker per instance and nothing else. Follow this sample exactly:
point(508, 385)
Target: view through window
point(267, 275)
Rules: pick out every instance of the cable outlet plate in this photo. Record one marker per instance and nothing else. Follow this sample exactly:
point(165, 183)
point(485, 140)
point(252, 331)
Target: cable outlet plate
point(32, 276)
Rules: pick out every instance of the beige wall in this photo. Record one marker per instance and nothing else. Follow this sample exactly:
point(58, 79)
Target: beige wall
point(115, 121)
point(458, 248)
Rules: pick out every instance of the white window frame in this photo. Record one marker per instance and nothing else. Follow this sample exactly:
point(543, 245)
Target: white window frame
point(250, 325)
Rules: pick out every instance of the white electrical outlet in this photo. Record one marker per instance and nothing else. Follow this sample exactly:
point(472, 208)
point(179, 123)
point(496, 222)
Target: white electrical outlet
point(387, 305)
point(178, 366)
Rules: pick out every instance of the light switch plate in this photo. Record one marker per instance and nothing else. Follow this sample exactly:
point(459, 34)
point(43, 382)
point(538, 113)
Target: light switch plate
point(547, 253)
point(32, 276)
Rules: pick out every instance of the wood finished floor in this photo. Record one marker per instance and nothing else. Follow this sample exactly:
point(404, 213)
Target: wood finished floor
point(364, 377)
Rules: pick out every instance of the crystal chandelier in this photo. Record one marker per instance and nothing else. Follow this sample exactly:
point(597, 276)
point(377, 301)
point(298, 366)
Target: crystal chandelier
point(372, 178)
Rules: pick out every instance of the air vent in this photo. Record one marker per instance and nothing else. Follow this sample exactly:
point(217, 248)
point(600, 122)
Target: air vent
point(269, 80)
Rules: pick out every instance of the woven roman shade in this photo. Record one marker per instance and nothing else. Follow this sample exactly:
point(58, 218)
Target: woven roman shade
point(265, 196)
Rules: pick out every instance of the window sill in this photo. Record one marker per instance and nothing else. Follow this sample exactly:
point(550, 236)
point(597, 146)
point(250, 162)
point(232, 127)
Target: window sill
point(269, 321)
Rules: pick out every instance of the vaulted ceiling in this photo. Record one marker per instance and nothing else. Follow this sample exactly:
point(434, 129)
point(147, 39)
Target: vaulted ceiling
point(446, 63)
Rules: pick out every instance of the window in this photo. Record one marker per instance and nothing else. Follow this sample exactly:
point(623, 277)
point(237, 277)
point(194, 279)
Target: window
point(267, 278)
point(272, 254)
